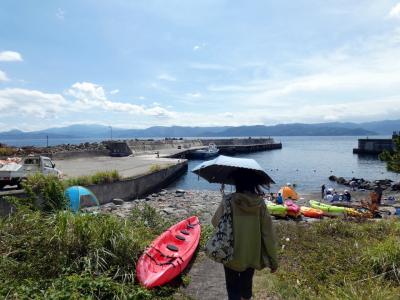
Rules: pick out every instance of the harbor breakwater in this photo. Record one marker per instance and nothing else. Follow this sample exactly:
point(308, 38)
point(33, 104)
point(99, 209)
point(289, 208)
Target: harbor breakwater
point(145, 146)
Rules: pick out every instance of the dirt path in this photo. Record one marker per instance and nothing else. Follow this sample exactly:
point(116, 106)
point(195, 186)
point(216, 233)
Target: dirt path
point(207, 280)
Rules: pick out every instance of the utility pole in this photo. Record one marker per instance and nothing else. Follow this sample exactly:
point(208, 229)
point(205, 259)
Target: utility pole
point(47, 141)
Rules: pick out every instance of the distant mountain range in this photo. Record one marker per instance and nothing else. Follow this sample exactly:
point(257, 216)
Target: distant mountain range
point(295, 129)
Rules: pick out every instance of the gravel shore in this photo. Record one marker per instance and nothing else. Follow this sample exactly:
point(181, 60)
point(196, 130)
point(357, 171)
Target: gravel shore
point(179, 204)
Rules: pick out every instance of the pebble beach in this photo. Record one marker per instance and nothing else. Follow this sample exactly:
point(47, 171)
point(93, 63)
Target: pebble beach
point(179, 204)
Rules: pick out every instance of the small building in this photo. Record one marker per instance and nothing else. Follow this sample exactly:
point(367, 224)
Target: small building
point(375, 146)
point(119, 148)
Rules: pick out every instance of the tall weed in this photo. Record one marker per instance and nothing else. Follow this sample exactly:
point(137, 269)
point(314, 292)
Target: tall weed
point(66, 255)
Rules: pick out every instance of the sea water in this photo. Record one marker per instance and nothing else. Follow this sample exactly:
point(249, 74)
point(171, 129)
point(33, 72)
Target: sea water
point(303, 160)
point(306, 162)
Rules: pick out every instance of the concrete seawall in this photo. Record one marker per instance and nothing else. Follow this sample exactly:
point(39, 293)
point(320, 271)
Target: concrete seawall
point(126, 189)
point(129, 189)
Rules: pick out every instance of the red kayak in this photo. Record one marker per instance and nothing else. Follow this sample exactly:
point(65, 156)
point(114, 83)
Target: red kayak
point(293, 210)
point(169, 254)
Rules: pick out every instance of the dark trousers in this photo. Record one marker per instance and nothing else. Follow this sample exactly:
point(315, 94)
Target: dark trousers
point(239, 284)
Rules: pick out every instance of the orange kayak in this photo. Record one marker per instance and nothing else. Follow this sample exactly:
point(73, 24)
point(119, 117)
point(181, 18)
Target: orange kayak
point(310, 212)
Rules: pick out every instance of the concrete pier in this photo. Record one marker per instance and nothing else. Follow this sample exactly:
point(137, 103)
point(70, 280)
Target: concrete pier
point(140, 176)
point(179, 148)
point(375, 146)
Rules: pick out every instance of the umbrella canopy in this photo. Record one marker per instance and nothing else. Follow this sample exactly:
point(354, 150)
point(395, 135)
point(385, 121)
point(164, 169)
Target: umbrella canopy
point(222, 169)
point(77, 194)
point(287, 191)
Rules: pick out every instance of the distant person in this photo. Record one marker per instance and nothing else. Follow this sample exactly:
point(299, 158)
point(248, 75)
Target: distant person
point(328, 196)
point(347, 196)
point(379, 190)
point(272, 197)
point(254, 237)
point(335, 197)
point(279, 199)
point(353, 185)
point(322, 191)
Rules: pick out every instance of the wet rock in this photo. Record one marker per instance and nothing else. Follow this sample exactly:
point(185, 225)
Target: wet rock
point(332, 178)
point(169, 210)
point(118, 201)
point(181, 212)
point(148, 198)
point(396, 186)
point(180, 191)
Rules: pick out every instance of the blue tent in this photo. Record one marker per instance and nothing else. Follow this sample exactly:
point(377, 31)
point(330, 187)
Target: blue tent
point(74, 195)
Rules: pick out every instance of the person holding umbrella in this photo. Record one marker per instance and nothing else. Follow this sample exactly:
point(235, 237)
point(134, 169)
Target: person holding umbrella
point(254, 246)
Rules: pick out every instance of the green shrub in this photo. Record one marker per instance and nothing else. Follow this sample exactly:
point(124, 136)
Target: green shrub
point(392, 159)
point(97, 178)
point(45, 192)
point(6, 151)
point(155, 168)
point(334, 259)
point(65, 255)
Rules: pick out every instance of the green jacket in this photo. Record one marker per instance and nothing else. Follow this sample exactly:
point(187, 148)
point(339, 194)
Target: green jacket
point(254, 236)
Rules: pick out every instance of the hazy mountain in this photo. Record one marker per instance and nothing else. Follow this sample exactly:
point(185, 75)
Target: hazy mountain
point(292, 130)
point(296, 129)
point(18, 134)
point(382, 127)
point(174, 131)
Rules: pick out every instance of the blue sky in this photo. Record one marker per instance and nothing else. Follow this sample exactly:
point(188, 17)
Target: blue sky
point(136, 64)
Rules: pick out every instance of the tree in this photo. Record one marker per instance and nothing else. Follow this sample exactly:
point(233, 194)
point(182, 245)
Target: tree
point(392, 159)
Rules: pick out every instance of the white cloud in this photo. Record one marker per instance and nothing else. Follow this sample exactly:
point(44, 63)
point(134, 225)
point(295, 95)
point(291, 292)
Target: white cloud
point(3, 76)
point(60, 14)
point(10, 56)
point(193, 95)
point(30, 103)
point(211, 67)
point(113, 92)
point(358, 81)
point(199, 46)
point(90, 95)
point(166, 77)
point(395, 11)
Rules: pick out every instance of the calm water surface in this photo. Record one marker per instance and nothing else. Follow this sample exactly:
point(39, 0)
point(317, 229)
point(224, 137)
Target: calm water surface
point(307, 162)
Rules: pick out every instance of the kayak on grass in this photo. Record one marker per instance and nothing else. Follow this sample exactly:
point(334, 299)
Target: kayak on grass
point(293, 210)
point(276, 209)
point(310, 212)
point(169, 254)
point(358, 213)
point(328, 210)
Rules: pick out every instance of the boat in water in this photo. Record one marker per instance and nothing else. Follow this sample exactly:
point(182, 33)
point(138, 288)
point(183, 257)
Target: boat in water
point(211, 151)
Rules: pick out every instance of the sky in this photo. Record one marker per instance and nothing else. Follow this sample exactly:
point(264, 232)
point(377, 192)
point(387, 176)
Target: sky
point(136, 64)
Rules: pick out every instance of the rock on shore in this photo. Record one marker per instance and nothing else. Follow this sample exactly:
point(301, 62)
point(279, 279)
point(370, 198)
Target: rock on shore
point(363, 184)
point(173, 204)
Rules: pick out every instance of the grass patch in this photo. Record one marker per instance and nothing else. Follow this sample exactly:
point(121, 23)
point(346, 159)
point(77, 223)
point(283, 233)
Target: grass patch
point(7, 151)
point(157, 167)
point(97, 178)
point(335, 259)
point(73, 256)
point(45, 192)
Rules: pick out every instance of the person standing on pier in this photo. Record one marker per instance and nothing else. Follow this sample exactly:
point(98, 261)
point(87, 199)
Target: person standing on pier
point(322, 191)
